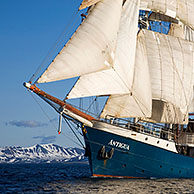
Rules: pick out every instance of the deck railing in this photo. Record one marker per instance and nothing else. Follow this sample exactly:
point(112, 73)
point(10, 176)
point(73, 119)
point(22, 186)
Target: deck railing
point(152, 129)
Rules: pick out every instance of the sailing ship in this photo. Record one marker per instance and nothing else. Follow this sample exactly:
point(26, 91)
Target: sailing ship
point(145, 128)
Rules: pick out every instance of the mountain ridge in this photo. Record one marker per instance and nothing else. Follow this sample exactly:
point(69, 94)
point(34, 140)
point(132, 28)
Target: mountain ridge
point(45, 153)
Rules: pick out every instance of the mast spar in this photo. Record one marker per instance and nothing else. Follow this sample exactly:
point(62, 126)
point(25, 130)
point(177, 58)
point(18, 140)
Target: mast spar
point(67, 109)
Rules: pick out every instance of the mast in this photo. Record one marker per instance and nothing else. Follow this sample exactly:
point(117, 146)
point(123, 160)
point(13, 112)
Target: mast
point(67, 109)
point(103, 53)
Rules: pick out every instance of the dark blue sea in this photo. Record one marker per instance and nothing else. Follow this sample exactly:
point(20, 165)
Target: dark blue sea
point(75, 178)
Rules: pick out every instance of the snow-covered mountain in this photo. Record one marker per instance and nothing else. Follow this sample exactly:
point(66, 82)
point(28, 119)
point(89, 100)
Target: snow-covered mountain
point(40, 153)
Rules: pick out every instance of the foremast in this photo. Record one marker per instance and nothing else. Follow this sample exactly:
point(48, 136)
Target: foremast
point(65, 108)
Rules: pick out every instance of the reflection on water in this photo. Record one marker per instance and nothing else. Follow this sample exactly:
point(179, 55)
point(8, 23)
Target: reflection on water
point(74, 178)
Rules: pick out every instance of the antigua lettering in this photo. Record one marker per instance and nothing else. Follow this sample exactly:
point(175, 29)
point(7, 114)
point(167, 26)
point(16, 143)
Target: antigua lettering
point(119, 144)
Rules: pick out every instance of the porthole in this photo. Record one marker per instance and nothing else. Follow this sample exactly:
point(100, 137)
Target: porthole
point(146, 138)
point(158, 142)
point(167, 145)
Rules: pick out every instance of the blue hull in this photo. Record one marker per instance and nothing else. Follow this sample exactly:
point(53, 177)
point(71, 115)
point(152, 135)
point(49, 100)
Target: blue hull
point(140, 161)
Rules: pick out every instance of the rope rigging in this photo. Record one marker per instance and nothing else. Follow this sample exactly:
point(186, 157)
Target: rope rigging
point(74, 132)
point(80, 144)
point(58, 45)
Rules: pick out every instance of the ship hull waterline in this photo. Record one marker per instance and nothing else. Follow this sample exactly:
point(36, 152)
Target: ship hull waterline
point(132, 158)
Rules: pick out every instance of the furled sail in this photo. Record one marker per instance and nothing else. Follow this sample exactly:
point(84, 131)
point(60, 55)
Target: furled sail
point(92, 46)
point(87, 3)
point(170, 61)
point(119, 78)
point(137, 103)
point(180, 9)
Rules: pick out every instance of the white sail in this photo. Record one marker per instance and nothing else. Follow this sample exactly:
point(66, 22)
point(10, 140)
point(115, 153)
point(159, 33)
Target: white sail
point(191, 106)
point(166, 112)
point(96, 84)
point(119, 78)
point(92, 46)
point(177, 30)
point(180, 9)
point(170, 62)
point(182, 31)
point(171, 68)
point(137, 103)
point(87, 3)
point(185, 32)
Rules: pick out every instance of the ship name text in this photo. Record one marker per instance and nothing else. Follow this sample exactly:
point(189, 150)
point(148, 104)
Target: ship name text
point(119, 144)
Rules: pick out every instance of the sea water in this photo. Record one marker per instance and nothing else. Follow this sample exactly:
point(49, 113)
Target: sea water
point(75, 178)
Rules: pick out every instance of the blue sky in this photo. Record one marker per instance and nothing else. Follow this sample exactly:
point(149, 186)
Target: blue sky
point(28, 31)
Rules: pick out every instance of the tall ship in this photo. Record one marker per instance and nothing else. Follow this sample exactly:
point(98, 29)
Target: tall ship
point(138, 56)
